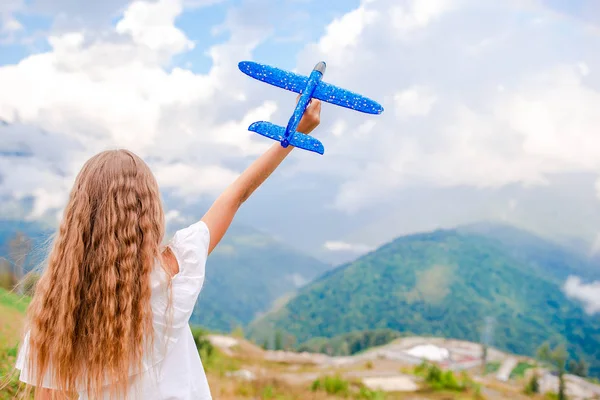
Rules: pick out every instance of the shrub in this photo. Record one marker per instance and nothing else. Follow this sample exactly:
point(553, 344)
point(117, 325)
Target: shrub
point(368, 394)
point(437, 379)
point(339, 387)
point(204, 346)
point(212, 358)
point(7, 280)
point(332, 385)
point(533, 385)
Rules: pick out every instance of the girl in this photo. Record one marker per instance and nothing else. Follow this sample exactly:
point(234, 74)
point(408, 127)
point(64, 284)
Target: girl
point(109, 317)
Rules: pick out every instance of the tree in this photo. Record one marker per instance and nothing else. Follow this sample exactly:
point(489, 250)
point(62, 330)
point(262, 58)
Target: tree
point(344, 349)
point(579, 368)
point(484, 356)
point(265, 345)
point(19, 246)
point(7, 277)
point(556, 357)
point(238, 332)
point(278, 340)
point(290, 341)
point(533, 386)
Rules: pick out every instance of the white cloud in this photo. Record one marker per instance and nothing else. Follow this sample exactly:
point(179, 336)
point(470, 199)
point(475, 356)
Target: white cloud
point(414, 14)
point(173, 216)
point(298, 280)
point(112, 90)
point(185, 179)
point(586, 293)
point(419, 62)
point(339, 128)
point(152, 25)
point(9, 25)
point(414, 101)
point(344, 32)
point(349, 247)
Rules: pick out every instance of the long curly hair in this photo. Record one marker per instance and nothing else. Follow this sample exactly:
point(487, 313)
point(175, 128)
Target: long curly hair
point(90, 317)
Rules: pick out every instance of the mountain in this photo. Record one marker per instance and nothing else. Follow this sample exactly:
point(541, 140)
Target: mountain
point(445, 283)
point(245, 275)
point(39, 236)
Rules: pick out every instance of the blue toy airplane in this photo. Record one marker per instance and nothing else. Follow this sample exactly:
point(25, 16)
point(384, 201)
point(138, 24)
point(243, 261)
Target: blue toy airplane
point(308, 87)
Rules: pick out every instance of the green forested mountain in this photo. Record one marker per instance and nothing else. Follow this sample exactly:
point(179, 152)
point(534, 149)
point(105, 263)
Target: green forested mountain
point(246, 273)
point(445, 283)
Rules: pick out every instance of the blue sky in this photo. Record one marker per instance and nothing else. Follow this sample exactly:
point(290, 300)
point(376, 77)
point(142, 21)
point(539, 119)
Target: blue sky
point(293, 23)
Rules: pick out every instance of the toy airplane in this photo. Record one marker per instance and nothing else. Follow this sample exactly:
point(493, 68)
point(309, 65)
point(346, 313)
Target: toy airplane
point(308, 87)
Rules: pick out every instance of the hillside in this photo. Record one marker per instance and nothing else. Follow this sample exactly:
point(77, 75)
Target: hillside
point(246, 273)
point(444, 283)
point(12, 315)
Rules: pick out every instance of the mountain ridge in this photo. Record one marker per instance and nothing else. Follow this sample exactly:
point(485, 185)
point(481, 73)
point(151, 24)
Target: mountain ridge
point(444, 282)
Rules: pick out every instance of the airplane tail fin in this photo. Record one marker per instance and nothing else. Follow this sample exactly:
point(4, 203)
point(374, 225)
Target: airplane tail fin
point(297, 139)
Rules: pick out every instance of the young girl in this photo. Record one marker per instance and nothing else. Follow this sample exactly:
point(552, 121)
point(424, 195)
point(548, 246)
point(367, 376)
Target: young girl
point(109, 317)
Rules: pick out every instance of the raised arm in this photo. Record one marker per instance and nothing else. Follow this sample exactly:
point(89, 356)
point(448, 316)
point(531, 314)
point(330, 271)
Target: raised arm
point(221, 213)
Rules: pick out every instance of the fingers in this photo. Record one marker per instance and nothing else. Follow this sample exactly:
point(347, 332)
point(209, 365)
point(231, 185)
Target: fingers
point(315, 110)
point(317, 106)
point(311, 117)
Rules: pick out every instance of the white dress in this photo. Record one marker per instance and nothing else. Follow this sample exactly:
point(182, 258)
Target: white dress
point(174, 370)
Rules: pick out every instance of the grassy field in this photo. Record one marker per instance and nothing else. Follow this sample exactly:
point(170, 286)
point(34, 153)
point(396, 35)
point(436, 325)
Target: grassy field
point(12, 316)
point(12, 313)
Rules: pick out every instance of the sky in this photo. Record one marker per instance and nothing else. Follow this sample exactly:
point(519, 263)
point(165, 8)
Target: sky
point(490, 111)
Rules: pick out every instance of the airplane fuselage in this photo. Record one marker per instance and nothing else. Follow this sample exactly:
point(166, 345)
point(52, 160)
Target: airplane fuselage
point(313, 80)
point(308, 87)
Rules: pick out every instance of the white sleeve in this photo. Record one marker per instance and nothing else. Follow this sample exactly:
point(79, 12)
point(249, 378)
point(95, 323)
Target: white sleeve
point(190, 247)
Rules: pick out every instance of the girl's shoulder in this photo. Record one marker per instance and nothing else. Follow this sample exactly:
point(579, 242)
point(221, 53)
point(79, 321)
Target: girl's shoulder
point(189, 247)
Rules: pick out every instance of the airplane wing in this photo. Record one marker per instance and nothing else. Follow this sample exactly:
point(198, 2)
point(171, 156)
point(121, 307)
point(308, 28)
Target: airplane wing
point(345, 98)
point(296, 83)
point(274, 76)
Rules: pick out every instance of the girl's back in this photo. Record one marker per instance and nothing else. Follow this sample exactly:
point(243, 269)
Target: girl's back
point(109, 304)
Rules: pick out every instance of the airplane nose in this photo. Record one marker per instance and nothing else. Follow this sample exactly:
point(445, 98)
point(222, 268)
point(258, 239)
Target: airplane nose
point(320, 67)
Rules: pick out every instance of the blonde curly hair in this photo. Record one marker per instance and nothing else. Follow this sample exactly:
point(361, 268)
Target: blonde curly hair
point(90, 318)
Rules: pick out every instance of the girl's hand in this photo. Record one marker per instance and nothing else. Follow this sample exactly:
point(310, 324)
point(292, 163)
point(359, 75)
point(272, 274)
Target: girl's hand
point(221, 213)
point(311, 118)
